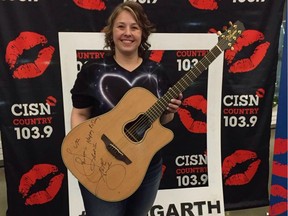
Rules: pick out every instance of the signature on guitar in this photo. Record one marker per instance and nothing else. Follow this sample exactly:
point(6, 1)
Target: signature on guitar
point(93, 169)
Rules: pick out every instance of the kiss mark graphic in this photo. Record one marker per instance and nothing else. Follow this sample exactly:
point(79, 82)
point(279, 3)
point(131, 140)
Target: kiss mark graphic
point(260, 92)
point(240, 158)
point(24, 42)
point(279, 169)
point(282, 206)
point(156, 55)
point(280, 148)
point(39, 172)
point(247, 38)
point(198, 102)
point(204, 4)
point(278, 190)
point(51, 100)
point(91, 4)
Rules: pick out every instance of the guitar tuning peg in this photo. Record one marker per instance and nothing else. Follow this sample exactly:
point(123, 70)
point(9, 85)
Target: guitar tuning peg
point(219, 33)
point(230, 23)
point(232, 48)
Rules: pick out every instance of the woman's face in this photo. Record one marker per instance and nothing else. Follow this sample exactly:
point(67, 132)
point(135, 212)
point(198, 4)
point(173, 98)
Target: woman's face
point(127, 34)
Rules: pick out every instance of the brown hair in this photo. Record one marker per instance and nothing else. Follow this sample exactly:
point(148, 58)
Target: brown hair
point(142, 20)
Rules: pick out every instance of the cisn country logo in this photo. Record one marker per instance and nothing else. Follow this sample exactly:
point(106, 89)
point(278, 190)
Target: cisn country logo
point(33, 120)
point(18, 48)
point(31, 184)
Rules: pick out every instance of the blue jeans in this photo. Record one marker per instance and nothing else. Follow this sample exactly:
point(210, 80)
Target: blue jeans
point(138, 204)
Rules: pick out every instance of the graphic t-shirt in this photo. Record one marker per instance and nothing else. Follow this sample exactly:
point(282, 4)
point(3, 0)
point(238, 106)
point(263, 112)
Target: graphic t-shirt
point(101, 84)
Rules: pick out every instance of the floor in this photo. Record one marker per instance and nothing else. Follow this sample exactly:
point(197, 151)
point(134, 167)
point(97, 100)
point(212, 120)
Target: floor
point(261, 211)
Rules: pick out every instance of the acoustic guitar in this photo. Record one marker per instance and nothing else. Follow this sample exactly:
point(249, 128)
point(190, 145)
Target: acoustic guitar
point(109, 154)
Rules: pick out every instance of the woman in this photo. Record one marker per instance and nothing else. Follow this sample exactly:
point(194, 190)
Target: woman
point(101, 84)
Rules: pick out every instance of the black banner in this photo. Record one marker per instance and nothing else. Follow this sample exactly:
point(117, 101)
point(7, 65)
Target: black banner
point(31, 101)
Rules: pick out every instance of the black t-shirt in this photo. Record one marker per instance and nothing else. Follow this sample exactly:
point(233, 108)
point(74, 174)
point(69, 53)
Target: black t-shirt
point(102, 83)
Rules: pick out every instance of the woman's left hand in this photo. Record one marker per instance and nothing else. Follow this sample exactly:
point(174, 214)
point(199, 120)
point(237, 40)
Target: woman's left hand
point(175, 104)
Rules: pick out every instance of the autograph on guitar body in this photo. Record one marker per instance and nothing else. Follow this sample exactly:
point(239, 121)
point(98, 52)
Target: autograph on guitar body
point(109, 154)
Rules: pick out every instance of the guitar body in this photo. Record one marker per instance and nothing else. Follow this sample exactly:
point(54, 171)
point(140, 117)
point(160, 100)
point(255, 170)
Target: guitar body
point(100, 154)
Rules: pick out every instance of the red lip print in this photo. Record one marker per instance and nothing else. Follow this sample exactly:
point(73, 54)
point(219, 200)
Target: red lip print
point(30, 178)
point(51, 100)
point(278, 190)
point(279, 169)
point(247, 38)
point(156, 55)
point(280, 207)
point(198, 102)
point(260, 92)
point(90, 4)
point(237, 158)
point(280, 148)
point(204, 4)
point(26, 41)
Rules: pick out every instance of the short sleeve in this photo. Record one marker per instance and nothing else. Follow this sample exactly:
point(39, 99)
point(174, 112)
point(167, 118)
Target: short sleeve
point(80, 91)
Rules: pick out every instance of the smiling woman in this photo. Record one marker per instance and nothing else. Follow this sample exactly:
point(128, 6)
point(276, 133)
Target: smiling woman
point(99, 86)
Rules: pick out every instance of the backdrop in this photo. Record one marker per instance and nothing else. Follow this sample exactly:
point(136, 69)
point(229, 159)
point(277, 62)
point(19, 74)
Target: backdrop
point(31, 99)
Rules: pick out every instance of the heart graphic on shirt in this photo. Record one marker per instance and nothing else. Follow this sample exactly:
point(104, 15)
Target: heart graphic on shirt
point(112, 95)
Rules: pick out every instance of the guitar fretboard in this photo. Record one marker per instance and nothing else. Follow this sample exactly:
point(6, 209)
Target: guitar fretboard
point(159, 107)
point(226, 40)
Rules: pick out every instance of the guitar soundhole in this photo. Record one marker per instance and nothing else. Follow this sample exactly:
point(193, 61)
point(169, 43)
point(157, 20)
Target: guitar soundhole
point(135, 130)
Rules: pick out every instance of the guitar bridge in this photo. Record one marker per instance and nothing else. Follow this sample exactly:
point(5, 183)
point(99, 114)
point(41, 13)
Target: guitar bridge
point(116, 152)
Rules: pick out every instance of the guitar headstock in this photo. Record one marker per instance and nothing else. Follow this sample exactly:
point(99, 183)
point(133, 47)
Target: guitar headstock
point(228, 38)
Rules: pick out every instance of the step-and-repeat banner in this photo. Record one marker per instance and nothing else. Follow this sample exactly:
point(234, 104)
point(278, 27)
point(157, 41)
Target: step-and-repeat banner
point(34, 101)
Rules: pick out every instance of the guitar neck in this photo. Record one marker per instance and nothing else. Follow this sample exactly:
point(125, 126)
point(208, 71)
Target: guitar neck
point(226, 40)
point(159, 107)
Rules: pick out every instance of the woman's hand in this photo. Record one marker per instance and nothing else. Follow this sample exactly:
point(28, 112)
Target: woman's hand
point(172, 108)
point(175, 104)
